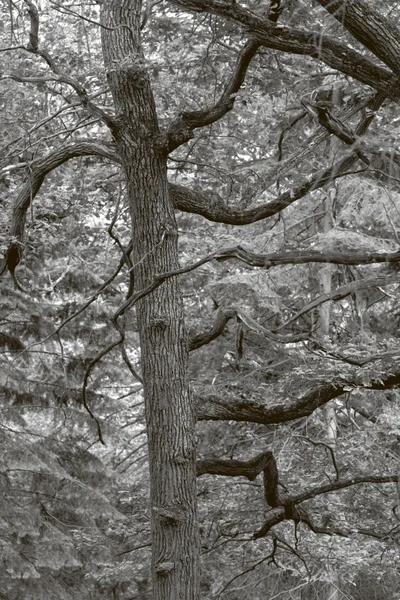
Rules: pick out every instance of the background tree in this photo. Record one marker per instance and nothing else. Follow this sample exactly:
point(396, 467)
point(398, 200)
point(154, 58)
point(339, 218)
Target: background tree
point(100, 103)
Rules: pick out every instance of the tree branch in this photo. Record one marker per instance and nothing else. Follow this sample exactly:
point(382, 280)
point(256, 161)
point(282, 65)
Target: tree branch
point(297, 41)
point(214, 208)
point(223, 315)
point(235, 468)
point(181, 130)
point(369, 27)
point(228, 407)
point(341, 484)
point(289, 509)
point(38, 170)
point(33, 48)
point(346, 290)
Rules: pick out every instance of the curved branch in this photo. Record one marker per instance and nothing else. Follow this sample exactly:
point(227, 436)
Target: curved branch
point(183, 199)
point(33, 48)
point(226, 314)
point(201, 339)
point(235, 468)
point(181, 129)
point(38, 170)
point(214, 208)
point(227, 407)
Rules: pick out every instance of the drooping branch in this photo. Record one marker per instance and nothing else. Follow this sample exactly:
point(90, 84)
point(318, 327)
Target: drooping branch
point(370, 27)
point(38, 170)
point(315, 44)
point(227, 407)
point(181, 129)
point(214, 208)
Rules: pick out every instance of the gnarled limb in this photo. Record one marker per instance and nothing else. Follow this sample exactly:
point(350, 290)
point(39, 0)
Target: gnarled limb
point(235, 468)
point(264, 462)
point(289, 508)
point(369, 27)
point(36, 175)
point(315, 44)
point(181, 129)
point(223, 315)
point(214, 208)
point(227, 407)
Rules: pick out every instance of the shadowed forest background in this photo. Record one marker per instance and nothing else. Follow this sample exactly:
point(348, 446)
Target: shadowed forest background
point(200, 207)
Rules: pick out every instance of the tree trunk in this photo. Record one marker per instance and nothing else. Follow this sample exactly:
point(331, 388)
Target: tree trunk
point(170, 409)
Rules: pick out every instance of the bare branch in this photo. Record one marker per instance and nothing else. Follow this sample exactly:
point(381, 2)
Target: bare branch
point(226, 406)
point(37, 172)
point(345, 290)
point(341, 484)
point(181, 130)
point(315, 44)
point(369, 27)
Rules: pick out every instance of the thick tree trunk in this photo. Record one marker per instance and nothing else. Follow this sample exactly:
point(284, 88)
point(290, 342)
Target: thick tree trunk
point(170, 409)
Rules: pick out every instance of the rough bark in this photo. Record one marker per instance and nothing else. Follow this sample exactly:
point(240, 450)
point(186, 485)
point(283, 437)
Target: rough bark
point(170, 411)
point(213, 407)
point(370, 28)
point(315, 44)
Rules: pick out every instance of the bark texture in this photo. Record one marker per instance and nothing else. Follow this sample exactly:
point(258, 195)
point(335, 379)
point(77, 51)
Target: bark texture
point(170, 410)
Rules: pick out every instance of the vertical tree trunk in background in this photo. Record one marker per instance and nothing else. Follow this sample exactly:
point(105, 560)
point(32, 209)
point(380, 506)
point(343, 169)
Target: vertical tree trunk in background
point(170, 411)
point(332, 592)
